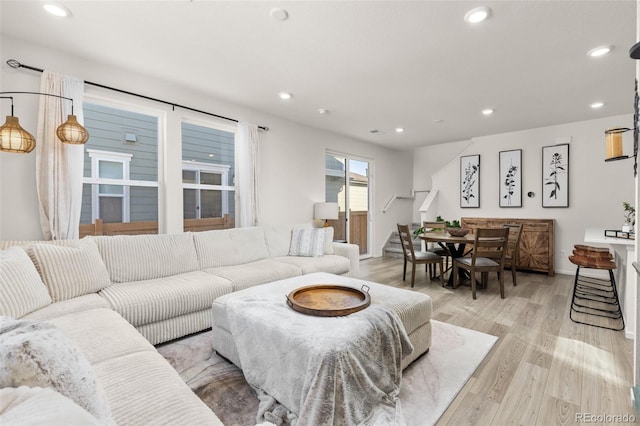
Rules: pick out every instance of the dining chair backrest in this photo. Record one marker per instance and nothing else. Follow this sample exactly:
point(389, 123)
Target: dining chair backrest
point(406, 239)
point(513, 242)
point(435, 226)
point(490, 243)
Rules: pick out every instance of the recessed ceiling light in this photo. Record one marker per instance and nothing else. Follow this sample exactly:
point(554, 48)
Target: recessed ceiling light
point(597, 105)
point(323, 111)
point(487, 111)
point(279, 14)
point(285, 95)
point(477, 14)
point(599, 51)
point(399, 129)
point(438, 120)
point(56, 10)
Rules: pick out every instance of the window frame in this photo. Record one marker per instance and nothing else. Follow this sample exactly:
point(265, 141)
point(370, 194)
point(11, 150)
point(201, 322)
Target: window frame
point(198, 167)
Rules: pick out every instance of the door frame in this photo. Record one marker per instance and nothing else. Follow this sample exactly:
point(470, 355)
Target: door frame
point(370, 201)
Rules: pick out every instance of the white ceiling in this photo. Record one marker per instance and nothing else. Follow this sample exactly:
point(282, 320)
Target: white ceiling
point(373, 64)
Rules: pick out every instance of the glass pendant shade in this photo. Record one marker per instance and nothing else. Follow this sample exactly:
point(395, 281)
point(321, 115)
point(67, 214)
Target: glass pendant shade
point(72, 132)
point(13, 138)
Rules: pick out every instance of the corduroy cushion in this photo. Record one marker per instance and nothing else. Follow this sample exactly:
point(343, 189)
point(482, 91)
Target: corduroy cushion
point(71, 271)
point(144, 302)
point(230, 247)
point(30, 406)
point(146, 257)
point(278, 239)
point(21, 289)
point(308, 242)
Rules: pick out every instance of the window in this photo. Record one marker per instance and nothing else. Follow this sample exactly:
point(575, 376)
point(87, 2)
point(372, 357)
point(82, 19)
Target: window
point(120, 166)
point(207, 172)
point(202, 194)
point(109, 197)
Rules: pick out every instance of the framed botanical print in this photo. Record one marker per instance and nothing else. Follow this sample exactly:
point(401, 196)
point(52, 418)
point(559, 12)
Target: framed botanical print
point(470, 181)
point(510, 178)
point(555, 176)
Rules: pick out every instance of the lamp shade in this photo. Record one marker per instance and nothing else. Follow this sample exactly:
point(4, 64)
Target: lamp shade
point(326, 211)
point(613, 140)
point(13, 138)
point(72, 132)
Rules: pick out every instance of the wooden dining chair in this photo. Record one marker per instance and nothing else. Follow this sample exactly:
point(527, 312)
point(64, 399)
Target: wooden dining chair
point(436, 248)
point(410, 255)
point(512, 255)
point(489, 249)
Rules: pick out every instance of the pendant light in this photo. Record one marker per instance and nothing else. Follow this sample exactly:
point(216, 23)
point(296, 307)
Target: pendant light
point(13, 138)
point(72, 132)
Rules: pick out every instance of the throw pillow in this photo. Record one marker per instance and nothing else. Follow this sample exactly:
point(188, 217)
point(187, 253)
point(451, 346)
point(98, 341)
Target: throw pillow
point(37, 354)
point(307, 242)
point(328, 240)
point(21, 289)
point(71, 271)
point(25, 406)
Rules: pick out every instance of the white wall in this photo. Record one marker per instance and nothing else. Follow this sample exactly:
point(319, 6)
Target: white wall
point(597, 188)
point(292, 155)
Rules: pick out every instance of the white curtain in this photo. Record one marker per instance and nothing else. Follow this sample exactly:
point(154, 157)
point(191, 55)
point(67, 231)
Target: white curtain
point(246, 175)
point(59, 166)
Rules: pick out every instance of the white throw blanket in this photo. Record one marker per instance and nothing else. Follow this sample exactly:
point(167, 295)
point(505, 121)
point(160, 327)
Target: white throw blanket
point(316, 371)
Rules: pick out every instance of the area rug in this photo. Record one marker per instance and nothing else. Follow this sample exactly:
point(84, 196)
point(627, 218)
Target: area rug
point(429, 385)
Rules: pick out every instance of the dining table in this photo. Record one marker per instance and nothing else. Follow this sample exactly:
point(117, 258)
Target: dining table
point(455, 245)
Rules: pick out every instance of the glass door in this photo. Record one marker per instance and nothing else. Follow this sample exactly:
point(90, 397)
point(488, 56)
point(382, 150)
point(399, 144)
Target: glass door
point(347, 183)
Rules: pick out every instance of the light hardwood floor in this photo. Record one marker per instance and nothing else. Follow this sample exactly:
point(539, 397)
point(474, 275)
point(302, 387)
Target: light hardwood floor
point(544, 369)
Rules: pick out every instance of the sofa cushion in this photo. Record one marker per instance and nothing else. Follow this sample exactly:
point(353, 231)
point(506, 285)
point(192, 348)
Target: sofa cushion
point(70, 271)
point(230, 247)
point(144, 389)
point(146, 257)
point(330, 263)
point(308, 242)
point(25, 244)
point(143, 302)
point(101, 334)
point(176, 327)
point(35, 406)
point(66, 307)
point(37, 354)
point(258, 272)
point(278, 239)
point(21, 289)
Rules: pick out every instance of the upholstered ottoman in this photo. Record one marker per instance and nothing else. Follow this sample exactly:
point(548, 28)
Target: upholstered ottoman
point(413, 308)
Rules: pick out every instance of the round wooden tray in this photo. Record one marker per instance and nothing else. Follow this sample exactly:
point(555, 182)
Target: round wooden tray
point(329, 300)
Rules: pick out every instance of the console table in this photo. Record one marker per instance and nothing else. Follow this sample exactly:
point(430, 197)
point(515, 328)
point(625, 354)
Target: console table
point(536, 243)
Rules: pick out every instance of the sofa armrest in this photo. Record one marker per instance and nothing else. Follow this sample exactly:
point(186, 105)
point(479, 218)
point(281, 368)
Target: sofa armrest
point(351, 252)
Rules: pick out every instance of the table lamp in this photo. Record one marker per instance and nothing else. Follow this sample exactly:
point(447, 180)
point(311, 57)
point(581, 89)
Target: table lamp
point(326, 212)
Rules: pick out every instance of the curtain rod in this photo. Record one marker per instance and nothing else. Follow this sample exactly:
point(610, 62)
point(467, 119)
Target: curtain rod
point(15, 64)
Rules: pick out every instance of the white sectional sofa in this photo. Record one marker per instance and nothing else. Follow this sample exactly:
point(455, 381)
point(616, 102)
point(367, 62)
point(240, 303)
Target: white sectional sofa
point(117, 296)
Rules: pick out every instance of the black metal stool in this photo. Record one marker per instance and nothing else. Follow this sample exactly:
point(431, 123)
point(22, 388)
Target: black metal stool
point(595, 296)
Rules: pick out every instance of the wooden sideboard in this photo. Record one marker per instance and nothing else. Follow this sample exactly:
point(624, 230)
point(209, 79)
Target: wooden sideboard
point(536, 243)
